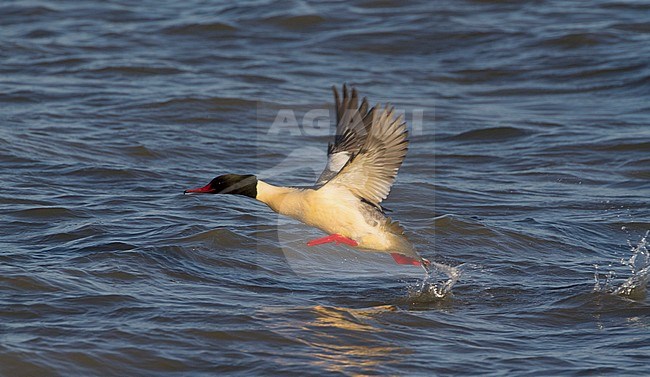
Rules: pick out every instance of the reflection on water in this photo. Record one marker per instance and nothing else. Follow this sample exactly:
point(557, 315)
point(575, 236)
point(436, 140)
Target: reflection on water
point(342, 340)
point(360, 352)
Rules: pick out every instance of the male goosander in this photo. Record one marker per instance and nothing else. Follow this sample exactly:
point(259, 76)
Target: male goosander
point(368, 149)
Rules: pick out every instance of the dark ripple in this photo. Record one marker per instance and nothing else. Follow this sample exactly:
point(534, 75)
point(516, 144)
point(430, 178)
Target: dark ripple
point(100, 173)
point(214, 237)
point(202, 103)
point(140, 151)
point(624, 146)
point(216, 28)
point(54, 213)
point(582, 307)
point(496, 134)
point(132, 70)
point(11, 11)
point(18, 97)
point(90, 301)
point(28, 283)
point(297, 22)
point(578, 40)
point(41, 33)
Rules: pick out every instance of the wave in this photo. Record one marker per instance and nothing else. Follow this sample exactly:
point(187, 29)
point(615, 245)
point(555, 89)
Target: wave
point(491, 134)
point(49, 213)
point(578, 40)
point(197, 102)
point(296, 22)
point(133, 70)
point(220, 236)
point(199, 28)
point(105, 172)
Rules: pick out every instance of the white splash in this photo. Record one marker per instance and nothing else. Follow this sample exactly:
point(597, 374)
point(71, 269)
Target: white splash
point(635, 286)
point(433, 288)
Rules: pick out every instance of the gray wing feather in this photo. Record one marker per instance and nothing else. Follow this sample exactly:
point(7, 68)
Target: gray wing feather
point(352, 128)
point(370, 172)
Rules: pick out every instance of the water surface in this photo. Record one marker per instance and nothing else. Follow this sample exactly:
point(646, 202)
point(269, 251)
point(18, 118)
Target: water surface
point(528, 171)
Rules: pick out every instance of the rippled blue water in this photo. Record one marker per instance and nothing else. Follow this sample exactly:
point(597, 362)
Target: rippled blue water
point(528, 171)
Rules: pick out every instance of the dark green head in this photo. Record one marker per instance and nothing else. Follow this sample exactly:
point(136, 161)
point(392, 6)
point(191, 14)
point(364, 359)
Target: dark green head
point(229, 184)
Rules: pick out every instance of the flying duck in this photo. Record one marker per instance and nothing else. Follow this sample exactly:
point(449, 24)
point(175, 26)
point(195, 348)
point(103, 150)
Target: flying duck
point(363, 160)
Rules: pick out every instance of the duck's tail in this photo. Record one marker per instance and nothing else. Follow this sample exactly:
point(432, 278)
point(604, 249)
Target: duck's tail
point(402, 251)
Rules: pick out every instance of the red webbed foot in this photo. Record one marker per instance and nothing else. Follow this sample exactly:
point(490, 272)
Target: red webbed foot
point(403, 259)
point(333, 238)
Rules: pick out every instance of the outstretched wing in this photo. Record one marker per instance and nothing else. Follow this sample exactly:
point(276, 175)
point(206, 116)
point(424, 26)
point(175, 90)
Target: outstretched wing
point(370, 172)
point(351, 132)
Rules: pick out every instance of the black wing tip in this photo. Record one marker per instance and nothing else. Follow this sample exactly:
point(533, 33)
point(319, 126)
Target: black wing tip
point(344, 90)
point(348, 96)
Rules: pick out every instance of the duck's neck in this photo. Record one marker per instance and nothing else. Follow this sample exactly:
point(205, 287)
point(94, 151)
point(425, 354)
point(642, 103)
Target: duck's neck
point(277, 197)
